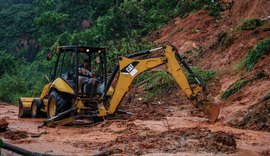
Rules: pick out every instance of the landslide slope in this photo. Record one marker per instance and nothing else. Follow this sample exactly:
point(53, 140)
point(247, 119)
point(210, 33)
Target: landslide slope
point(221, 44)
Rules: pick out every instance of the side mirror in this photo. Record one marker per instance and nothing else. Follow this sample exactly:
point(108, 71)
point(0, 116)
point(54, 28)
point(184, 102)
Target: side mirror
point(49, 56)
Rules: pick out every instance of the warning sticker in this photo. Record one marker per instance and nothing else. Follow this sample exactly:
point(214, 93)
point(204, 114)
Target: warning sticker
point(133, 72)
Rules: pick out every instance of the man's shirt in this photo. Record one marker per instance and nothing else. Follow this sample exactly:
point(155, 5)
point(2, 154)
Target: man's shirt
point(89, 73)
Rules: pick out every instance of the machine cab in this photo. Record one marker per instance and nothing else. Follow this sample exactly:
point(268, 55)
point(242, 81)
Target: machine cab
point(70, 62)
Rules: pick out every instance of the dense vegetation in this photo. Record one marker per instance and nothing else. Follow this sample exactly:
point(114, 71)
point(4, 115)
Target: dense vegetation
point(157, 82)
point(241, 83)
point(250, 24)
point(260, 50)
point(31, 28)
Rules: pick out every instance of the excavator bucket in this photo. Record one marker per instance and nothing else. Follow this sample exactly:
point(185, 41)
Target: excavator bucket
point(210, 110)
point(25, 107)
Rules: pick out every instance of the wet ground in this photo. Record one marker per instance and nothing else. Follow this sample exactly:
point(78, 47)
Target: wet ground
point(179, 133)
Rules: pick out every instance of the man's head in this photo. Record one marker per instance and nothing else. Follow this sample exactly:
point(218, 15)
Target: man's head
point(86, 63)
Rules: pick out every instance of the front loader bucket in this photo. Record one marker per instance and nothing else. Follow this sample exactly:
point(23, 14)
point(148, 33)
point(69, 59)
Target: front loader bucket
point(25, 107)
point(210, 110)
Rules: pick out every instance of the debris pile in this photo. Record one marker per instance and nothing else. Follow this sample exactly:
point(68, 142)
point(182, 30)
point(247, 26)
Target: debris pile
point(255, 118)
point(15, 135)
point(3, 125)
point(173, 141)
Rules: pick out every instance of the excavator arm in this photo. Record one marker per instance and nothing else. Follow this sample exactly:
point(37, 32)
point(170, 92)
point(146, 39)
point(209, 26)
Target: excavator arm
point(130, 68)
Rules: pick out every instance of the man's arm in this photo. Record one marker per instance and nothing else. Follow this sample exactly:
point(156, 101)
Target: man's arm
point(85, 72)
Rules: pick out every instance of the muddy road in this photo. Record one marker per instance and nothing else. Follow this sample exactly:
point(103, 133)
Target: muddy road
point(170, 130)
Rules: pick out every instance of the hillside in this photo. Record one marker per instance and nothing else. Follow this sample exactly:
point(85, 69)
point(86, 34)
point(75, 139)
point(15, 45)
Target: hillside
point(219, 45)
point(227, 43)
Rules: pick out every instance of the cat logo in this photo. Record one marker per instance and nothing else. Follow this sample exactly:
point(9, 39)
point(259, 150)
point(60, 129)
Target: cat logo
point(130, 68)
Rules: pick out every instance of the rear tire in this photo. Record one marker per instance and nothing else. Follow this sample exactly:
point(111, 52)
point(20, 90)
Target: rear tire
point(58, 103)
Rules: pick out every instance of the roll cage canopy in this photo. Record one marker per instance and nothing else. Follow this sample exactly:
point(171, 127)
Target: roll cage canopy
point(82, 49)
point(68, 59)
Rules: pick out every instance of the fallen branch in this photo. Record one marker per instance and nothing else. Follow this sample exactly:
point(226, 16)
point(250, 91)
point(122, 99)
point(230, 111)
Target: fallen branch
point(166, 124)
point(263, 19)
point(141, 83)
point(19, 150)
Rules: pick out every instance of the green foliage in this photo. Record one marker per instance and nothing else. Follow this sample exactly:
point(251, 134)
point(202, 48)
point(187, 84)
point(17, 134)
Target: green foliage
point(26, 82)
point(160, 82)
point(185, 7)
point(205, 76)
point(261, 49)
point(214, 9)
point(194, 31)
point(1, 143)
point(51, 18)
point(266, 97)
point(10, 87)
point(250, 24)
point(227, 40)
point(31, 28)
point(234, 88)
point(239, 84)
point(16, 27)
point(19, 78)
point(144, 76)
point(8, 63)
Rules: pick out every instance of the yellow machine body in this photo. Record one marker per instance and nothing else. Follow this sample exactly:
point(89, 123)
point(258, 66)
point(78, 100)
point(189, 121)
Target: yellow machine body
point(25, 103)
point(136, 67)
point(128, 70)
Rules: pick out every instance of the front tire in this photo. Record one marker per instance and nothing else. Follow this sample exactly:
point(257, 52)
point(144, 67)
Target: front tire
point(58, 103)
point(35, 109)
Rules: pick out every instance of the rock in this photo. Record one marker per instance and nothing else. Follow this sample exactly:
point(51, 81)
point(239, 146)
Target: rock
point(15, 135)
point(3, 125)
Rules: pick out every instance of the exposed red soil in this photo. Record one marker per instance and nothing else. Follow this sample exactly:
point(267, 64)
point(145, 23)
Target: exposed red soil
point(249, 9)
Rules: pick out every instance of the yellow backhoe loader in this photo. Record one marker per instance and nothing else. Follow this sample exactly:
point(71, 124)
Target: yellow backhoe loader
point(63, 101)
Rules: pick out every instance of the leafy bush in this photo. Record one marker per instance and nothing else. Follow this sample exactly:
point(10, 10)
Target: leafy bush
point(144, 76)
point(214, 10)
point(19, 78)
point(235, 87)
point(262, 48)
point(51, 18)
point(239, 84)
point(228, 40)
point(14, 86)
point(161, 81)
point(203, 75)
point(266, 97)
point(8, 63)
point(250, 24)
point(185, 7)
